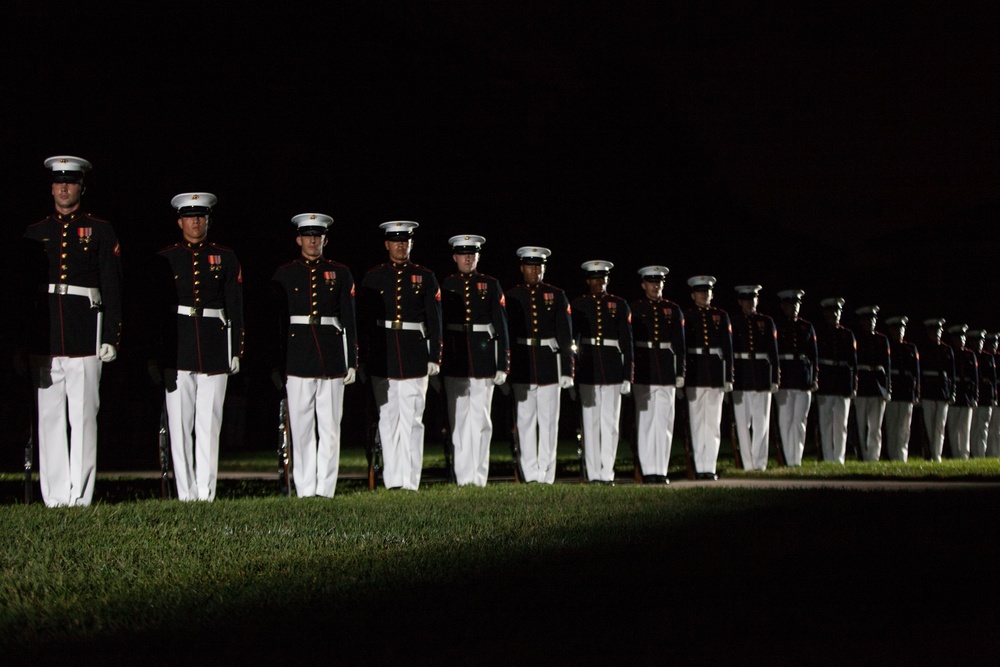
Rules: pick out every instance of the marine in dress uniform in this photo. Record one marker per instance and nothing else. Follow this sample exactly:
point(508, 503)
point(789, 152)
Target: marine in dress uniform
point(659, 352)
point(982, 413)
point(541, 362)
point(838, 379)
point(708, 336)
point(318, 330)
point(755, 357)
point(905, 360)
point(400, 317)
point(937, 385)
point(993, 437)
point(874, 383)
point(84, 328)
point(201, 286)
point(603, 332)
point(476, 357)
point(966, 395)
point(799, 365)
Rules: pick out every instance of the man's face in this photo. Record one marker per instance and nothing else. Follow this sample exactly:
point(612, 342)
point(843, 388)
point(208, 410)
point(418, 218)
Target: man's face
point(899, 332)
point(399, 251)
point(934, 332)
point(652, 289)
point(959, 339)
point(748, 305)
point(532, 273)
point(67, 196)
point(832, 315)
point(791, 309)
point(702, 298)
point(598, 284)
point(466, 262)
point(193, 227)
point(868, 321)
point(312, 246)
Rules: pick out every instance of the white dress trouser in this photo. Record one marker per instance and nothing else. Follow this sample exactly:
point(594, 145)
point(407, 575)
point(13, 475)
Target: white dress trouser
point(869, 412)
point(654, 421)
point(194, 415)
point(601, 405)
point(705, 414)
point(959, 426)
point(401, 428)
point(793, 413)
point(993, 440)
point(898, 417)
point(68, 400)
point(980, 431)
point(753, 425)
point(469, 403)
point(538, 428)
point(833, 414)
point(315, 410)
point(935, 419)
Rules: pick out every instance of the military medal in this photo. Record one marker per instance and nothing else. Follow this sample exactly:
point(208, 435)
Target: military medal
point(85, 233)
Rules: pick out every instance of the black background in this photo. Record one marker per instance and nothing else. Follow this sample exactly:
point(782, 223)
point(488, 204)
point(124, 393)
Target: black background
point(845, 149)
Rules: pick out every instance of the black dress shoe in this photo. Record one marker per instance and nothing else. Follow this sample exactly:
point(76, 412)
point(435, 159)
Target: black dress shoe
point(707, 475)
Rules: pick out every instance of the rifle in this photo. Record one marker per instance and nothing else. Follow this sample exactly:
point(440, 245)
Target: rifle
point(373, 443)
point(284, 449)
point(853, 439)
point(29, 461)
point(630, 431)
point(164, 450)
point(444, 430)
point(515, 436)
point(733, 439)
point(774, 435)
point(580, 454)
point(683, 413)
point(812, 421)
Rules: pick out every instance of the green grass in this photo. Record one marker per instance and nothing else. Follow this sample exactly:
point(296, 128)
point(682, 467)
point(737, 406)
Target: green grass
point(516, 573)
point(353, 461)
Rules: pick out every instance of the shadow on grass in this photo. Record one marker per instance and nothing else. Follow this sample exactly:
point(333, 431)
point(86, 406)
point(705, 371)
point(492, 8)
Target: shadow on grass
point(766, 577)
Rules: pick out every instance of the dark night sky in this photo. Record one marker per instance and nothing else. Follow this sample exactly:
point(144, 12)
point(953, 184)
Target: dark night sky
point(847, 150)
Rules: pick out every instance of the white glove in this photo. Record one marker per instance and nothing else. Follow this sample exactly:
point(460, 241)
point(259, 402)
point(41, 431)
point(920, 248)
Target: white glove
point(774, 388)
point(234, 366)
point(433, 369)
point(727, 387)
point(887, 399)
point(108, 352)
point(565, 382)
point(626, 388)
point(499, 378)
point(350, 376)
point(815, 386)
point(679, 382)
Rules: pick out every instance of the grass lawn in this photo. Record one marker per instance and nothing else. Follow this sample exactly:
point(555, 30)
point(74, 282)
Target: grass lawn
point(509, 574)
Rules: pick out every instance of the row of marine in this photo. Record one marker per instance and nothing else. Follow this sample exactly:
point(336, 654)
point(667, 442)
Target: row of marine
point(400, 331)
